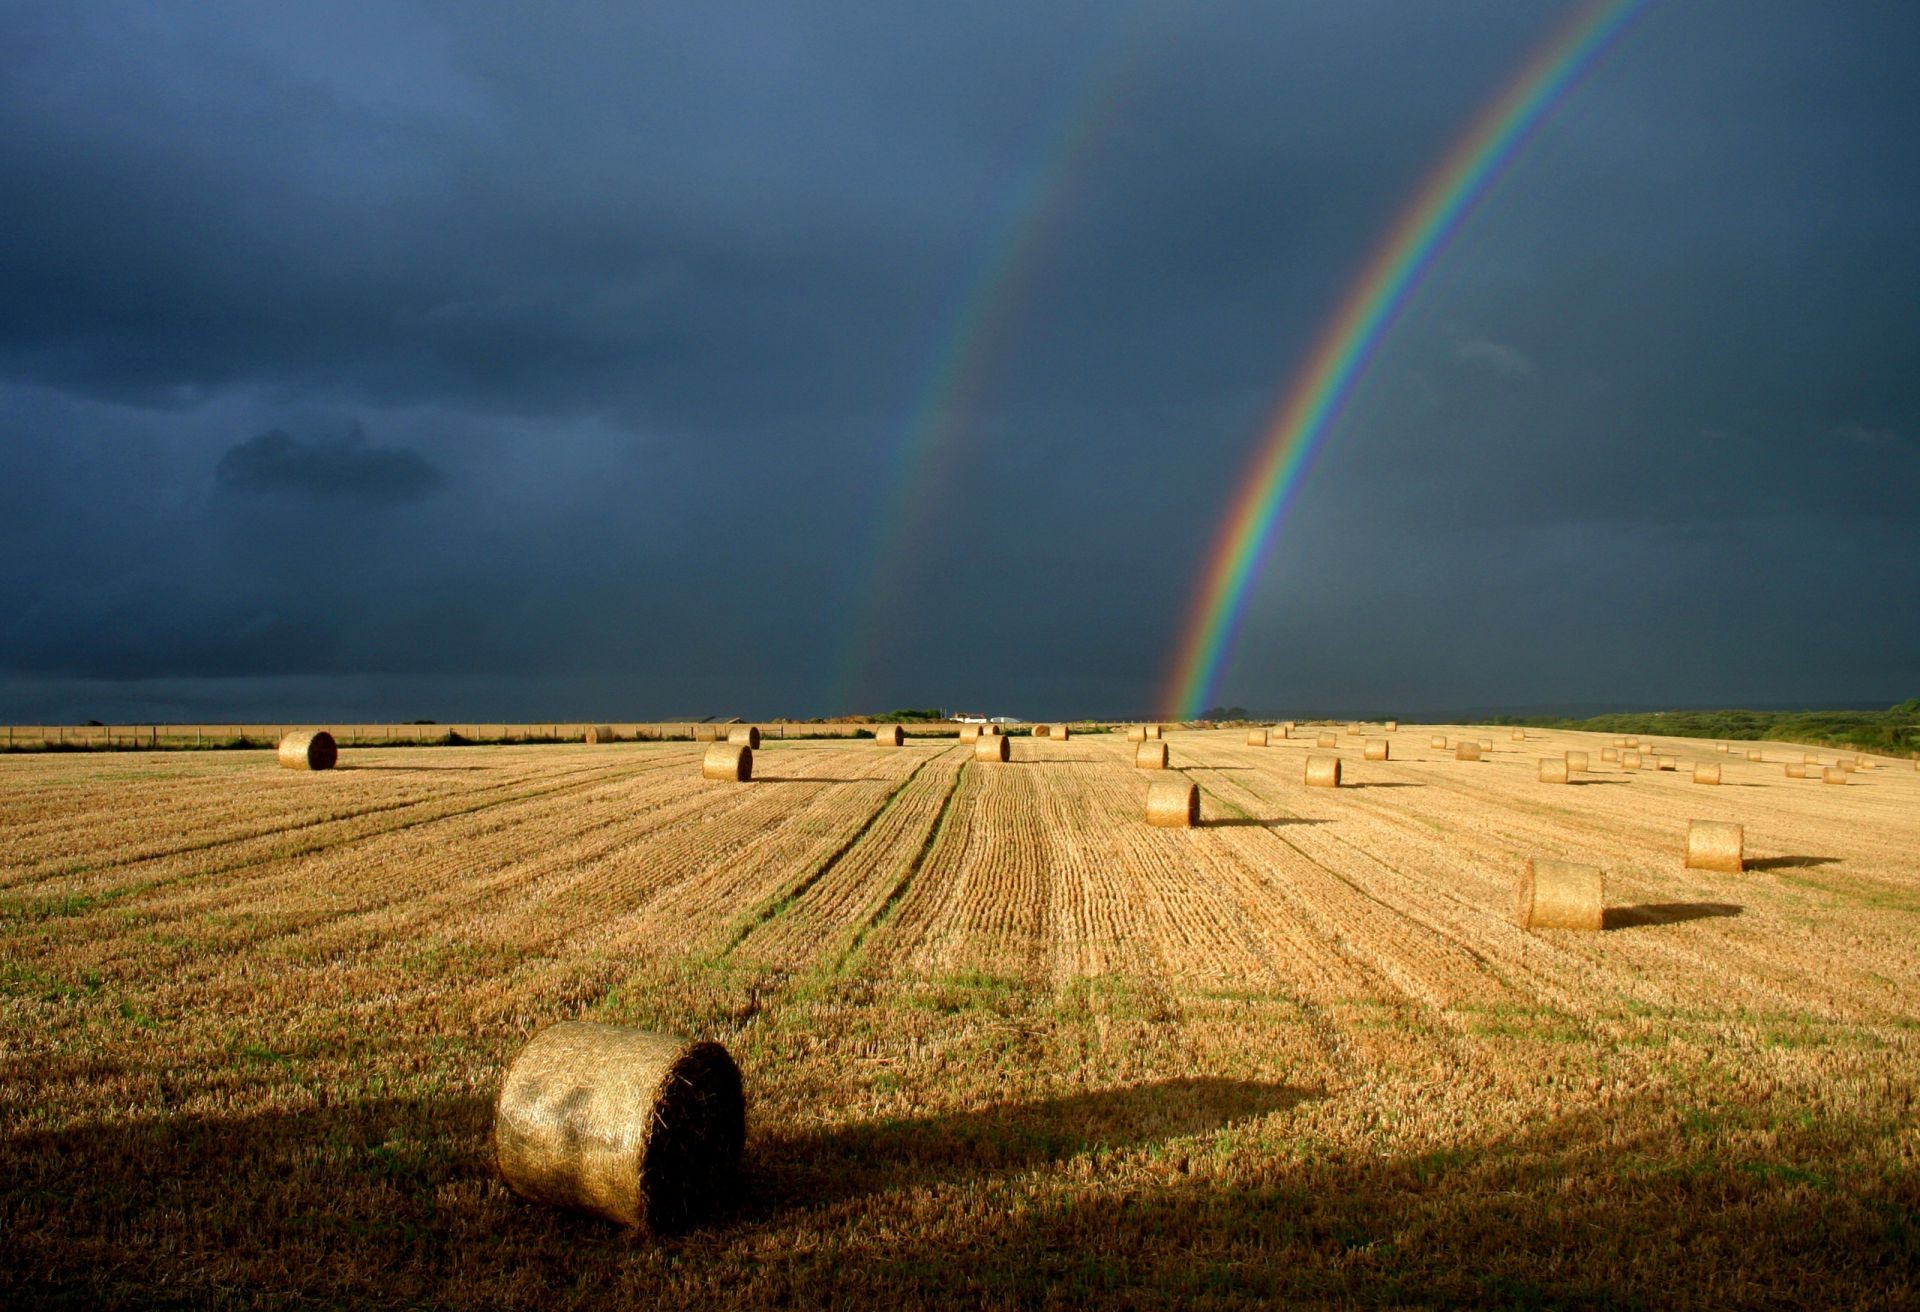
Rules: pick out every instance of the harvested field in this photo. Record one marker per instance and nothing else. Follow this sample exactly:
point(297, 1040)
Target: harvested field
point(1004, 1042)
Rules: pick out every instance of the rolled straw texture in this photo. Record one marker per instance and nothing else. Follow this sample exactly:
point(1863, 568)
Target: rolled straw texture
point(1706, 774)
point(1438, 742)
point(1576, 760)
point(1153, 732)
point(1560, 895)
point(1256, 737)
point(1519, 735)
point(1043, 731)
point(1467, 750)
point(1376, 749)
point(1173, 804)
point(1062, 732)
point(733, 761)
point(1796, 771)
point(1629, 760)
point(599, 733)
point(1553, 770)
point(1323, 771)
point(1715, 845)
point(992, 747)
point(1137, 733)
point(1328, 740)
point(1609, 753)
point(1833, 774)
point(1150, 756)
point(643, 1129)
point(1393, 726)
point(969, 733)
point(309, 749)
point(889, 735)
point(744, 735)
point(1754, 756)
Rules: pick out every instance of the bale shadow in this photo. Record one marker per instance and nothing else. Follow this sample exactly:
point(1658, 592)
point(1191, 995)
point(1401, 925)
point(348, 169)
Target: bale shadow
point(1382, 785)
point(1791, 862)
point(1666, 913)
point(813, 1170)
point(423, 769)
point(1587, 783)
point(1254, 822)
point(805, 779)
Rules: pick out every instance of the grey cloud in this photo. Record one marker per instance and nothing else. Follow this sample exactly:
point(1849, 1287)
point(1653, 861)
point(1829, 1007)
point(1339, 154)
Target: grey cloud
point(1495, 356)
point(345, 469)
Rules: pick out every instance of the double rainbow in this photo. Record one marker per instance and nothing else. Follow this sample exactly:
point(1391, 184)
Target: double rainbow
point(1351, 338)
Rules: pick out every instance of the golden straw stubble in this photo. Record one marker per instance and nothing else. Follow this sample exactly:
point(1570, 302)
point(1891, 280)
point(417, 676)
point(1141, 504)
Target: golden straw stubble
point(1553, 770)
point(1323, 771)
point(1560, 895)
point(1715, 845)
point(731, 761)
point(640, 1128)
point(308, 749)
point(1150, 756)
point(1173, 804)
point(1376, 749)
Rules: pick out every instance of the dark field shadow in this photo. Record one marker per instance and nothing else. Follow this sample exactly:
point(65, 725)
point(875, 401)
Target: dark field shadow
point(1235, 768)
point(1791, 862)
point(1382, 785)
point(1588, 783)
point(805, 779)
point(424, 769)
point(853, 1161)
point(1254, 822)
point(1666, 913)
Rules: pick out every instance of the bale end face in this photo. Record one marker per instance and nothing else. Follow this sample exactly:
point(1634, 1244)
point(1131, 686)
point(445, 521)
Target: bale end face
point(1042, 731)
point(1553, 770)
point(1715, 845)
point(992, 747)
point(1560, 895)
point(1173, 804)
point(1376, 749)
point(730, 761)
point(1150, 756)
point(1256, 737)
point(1707, 774)
point(1323, 772)
point(642, 1129)
point(889, 735)
point(311, 749)
point(1466, 751)
point(1576, 761)
point(744, 736)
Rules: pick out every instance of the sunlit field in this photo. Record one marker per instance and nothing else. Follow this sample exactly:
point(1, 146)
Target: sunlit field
point(1003, 1042)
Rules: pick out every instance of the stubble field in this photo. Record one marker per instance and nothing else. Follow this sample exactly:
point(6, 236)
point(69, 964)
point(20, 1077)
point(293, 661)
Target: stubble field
point(1004, 1043)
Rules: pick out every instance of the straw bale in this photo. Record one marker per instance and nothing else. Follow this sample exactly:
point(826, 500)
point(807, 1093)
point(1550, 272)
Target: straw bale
point(309, 749)
point(1868, 763)
point(1328, 740)
point(969, 733)
point(1796, 770)
point(1721, 747)
point(1042, 731)
point(744, 735)
point(1706, 774)
point(1150, 756)
point(1609, 753)
point(1560, 895)
point(642, 1129)
point(1629, 760)
point(1715, 845)
point(1062, 732)
point(1153, 732)
point(992, 747)
point(1173, 804)
point(1753, 754)
point(599, 733)
point(1553, 770)
point(1576, 761)
point(1438, 742)
point(1393, 726)
point(1256, 737)
point(889, 735)
point(1137, 733)
point(1631, 742)
point(1486, 744)
point(1375, 750)
point(732, 761)
point(1665, 763)
point(1833, 774)
point(1323, 771)
point(1519, 735)
point(1466, 750)
point(1353, 728)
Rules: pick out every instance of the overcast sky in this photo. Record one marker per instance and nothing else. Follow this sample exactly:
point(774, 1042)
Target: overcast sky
point(463, 361)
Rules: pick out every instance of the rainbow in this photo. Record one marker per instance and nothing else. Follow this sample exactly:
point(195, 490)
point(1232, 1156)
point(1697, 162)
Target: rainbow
point(1352, 337)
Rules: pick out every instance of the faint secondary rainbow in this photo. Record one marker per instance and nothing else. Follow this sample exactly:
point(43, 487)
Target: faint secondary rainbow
point(978, 325)
point(1353, 335)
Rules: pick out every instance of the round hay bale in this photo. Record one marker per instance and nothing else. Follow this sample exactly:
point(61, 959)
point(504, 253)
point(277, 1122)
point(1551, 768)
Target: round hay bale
point(1619, 742)
point(1844, 765)
point(1486, 744)
point(1328, 740)
point(1137, 733)
point(1706, 774)
point(732, 761)
point(1519, 735)
point(599, 733)
point(1665, 763)
point(1438, 742)
point(1796, 770)
point(1754, 755)
point(1173, 804)
point(1353, 729)
point(309, 749)
point(1466, 750)
point(1715, 845)
point(1256, 737)
point(1042, 731)
point(1631, 742)
point(1609, 753)
point(1833, 774)
point(1287, 727)
point(1721, 747)
point(744, 735)
point(1810, 759)
point(1629, 760)
point(1375, 750)
point(1323, 772)
point(1062, 732)
point(1150, 756)
point(1560, 895)
point(1868, 763)
point(1553, 770)
point(1153, 732)
point(1576, 761)
point(1393, 726)
point(643, 1129)
point(889, 735)
point(992, 747)
point(969, 733)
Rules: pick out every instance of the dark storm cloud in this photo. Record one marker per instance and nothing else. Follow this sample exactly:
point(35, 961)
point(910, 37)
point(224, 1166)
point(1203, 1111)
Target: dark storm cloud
point(639, 304)
point(345, 468)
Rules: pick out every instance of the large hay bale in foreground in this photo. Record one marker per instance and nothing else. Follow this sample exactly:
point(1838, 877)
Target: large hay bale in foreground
point(1560, 895)
point(1327, 740)
point(1062, 732)
point(1466, 750)
point(309, 749)
point(1576, 761)
point(1150, 756)
point(1553, 770)
point(1137, 733)
point(1706, 774)
point(744, 735)
point(1256, 737)
point(1323, 772)
point(1833, 774)
point(1715, 845)
point(1438, 742)
point(1376, 749)
point(992, 747)
point(599, 733)
point(732, 761)
point(643, 1129)
point(1173, 804)
point(889, 735)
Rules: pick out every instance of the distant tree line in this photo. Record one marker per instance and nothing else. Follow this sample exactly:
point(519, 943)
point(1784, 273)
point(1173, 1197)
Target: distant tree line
point(1894, 730)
